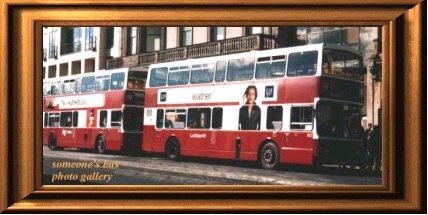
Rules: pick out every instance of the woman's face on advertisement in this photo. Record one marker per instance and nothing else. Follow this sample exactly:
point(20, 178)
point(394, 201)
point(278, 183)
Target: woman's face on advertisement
point(251, 96)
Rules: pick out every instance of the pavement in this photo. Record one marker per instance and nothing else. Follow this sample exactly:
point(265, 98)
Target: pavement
point(155, 169)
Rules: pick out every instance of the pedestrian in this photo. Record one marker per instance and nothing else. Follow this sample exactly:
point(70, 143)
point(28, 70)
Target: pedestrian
point(376, 149)
point(368, 145)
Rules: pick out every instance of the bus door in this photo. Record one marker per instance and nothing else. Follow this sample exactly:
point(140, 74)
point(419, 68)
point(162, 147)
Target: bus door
point(299, 142)
point(67, 132)
point(77, 128)
point(91, 124)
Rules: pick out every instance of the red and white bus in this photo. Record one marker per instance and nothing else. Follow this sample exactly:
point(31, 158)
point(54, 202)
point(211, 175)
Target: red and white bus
point(101, 110)
point(310, 99)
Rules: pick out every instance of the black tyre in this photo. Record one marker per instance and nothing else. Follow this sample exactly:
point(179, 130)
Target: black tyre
point(53, 143)
point(100, 145)
point(172, 149)
point(269, 156)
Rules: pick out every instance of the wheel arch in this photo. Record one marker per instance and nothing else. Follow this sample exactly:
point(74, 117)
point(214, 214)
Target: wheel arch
point(171, 137)
point(100, 134)
point(263, 143)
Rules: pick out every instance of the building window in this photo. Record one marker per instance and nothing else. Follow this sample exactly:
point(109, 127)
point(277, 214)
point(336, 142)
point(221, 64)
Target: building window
point(350, 37)
point(63, 69)
point(302, 35)
point(331, 35)
point(110, 37)
point(76, 67)
point(70, 40)
point(258, 30)
point(90, 39)
point(52, 71)
point(186, 36)
point(218, 33)
point(152, 39)
point(53, 49)
point(131, 41)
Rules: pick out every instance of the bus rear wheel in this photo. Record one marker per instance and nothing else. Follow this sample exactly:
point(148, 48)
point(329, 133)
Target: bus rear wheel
point(53, 143)
point(172, 149)
point(269, 156)
point(100, 145)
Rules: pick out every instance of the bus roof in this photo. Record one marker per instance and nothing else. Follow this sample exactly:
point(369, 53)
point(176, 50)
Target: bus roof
point(257, 53)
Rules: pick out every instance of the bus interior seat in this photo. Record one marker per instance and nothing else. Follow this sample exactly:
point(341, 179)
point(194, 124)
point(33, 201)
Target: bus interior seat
point(277, 125)
point(177, 124)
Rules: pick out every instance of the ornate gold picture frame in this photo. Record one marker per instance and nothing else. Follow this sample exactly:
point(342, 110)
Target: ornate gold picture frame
point(403, 175)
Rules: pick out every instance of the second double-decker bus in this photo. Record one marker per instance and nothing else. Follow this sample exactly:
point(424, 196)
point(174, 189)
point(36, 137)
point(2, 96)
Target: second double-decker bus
point(100, 111)
point(308, 104)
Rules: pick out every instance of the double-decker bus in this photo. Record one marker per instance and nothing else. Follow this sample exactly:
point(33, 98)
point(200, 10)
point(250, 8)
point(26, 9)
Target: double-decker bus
point(310, 100)
point(100, 111)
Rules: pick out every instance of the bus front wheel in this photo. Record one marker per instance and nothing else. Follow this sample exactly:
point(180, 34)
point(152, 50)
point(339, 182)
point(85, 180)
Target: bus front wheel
point(100, 146)
point(172, 149)
point(269, 156)
point(52, 144)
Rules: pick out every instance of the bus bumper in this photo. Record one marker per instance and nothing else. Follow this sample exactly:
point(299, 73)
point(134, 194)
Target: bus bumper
point(338, 151)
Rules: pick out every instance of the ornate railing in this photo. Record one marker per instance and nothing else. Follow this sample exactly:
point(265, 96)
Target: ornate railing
point(228, 46)
point(71, 47)
point(114, 63)
point(91, 44)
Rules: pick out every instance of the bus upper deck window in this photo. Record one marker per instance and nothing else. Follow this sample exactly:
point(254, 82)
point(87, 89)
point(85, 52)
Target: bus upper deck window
point(68, 86)
point(270, 67)
point(220, 71)
point(240, 69)
point(117, 81)
point(202, 73)
point(302, 63)
point(88, 84)
point(178, 75)
point(78, 85)
point(102, 83)
point(158, 77)
point(56, 89)
point(46, 89)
